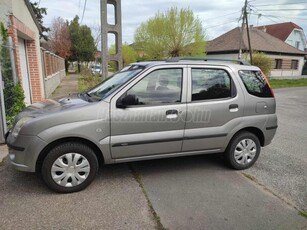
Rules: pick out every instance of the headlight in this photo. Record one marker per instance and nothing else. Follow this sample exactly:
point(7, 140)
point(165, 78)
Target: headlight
point(19, 125)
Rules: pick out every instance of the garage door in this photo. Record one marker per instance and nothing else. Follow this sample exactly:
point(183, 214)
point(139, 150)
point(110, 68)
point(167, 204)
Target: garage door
point(24, 71)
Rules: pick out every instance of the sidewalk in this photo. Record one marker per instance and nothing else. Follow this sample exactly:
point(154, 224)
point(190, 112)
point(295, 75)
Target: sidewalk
point(69, 85)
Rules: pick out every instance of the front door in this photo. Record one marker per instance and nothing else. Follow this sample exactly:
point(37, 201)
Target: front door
point(155, 124)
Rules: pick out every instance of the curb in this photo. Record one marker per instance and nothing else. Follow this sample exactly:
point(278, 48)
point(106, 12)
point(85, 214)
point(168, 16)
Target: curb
point(3, 152)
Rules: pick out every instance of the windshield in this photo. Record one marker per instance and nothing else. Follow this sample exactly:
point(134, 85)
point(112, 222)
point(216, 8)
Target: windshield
point(111, 84)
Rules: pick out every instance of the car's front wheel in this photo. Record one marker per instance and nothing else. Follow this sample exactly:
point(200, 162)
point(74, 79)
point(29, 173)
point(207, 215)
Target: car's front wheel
point(243, 150)
point(69, 167)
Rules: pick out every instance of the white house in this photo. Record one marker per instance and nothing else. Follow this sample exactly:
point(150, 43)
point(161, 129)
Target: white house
point(287, 62)
point(288, 32)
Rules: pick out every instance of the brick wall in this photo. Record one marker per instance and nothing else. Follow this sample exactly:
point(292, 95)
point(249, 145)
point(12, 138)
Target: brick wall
point(17, 27)
point(33, 71)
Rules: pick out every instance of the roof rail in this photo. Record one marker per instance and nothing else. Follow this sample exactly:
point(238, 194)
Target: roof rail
point(177, 59)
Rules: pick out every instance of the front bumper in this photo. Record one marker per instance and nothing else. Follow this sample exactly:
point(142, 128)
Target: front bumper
point(24, 151)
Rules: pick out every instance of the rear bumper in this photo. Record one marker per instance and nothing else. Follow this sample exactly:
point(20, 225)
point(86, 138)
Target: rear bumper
point(270, 129)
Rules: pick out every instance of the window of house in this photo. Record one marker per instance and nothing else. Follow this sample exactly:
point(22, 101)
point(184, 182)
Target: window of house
point(211, 84)
point(294, 64)
point(278, 63)
point(297, 44)
point(159, 87)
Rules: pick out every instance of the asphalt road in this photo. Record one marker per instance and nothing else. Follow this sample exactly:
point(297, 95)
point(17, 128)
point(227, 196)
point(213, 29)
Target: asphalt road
point(198, 192)
point(201, 192)
point(282, 166)
point(113, 201)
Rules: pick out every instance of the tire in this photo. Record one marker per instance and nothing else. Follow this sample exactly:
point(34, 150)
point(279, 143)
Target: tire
point(69, 167)
point(243, 150)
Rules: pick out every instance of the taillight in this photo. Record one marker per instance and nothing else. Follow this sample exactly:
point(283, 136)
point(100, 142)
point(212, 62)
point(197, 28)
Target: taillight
point(268, 83)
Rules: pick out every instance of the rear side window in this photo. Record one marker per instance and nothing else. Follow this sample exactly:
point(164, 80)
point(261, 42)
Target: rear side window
point(255, 83)
point(210, 84)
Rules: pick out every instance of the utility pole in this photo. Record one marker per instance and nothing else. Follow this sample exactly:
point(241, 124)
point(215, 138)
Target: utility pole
point(245, 19)
point(106, 29)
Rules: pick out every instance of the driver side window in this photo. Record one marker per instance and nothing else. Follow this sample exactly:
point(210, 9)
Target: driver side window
point(159, 87)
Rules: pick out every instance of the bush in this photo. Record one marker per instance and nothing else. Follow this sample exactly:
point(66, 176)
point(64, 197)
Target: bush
point(262, 61)
point(13, 93)
point(87, 80)
point(14, 102)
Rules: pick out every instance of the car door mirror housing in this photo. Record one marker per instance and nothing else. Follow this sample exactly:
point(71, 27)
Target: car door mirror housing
point(127, 100)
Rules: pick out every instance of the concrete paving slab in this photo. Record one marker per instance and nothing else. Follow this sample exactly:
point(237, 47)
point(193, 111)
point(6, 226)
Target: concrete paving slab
point(200, 192)
point(69, 85)
point(113, 201)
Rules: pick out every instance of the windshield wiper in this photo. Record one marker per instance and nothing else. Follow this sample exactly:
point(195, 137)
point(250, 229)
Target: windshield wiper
point(85, 96)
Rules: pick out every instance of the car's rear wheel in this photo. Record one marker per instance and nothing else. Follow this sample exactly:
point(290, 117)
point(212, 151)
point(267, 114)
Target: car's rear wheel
point(69, 167)
point(243, 150)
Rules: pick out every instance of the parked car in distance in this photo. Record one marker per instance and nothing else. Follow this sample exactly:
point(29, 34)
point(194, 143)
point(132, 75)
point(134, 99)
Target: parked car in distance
point(149, 110)
point(96, 69)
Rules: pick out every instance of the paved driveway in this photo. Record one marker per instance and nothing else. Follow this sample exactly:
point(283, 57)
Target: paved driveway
point(282, 166)
point(200, 192)
point(197, 192)
point(113, 201)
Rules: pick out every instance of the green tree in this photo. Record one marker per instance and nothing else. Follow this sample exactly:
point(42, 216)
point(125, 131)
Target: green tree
point(129, 54)
point(173, 33)
point(262, 61)
point(82, 42)
point(39, 14)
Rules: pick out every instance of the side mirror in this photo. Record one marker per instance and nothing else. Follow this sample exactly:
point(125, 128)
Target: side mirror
point(127, 100)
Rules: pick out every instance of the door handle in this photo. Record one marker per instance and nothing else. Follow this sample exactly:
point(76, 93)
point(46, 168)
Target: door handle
point(234, 108)
point(172, 114)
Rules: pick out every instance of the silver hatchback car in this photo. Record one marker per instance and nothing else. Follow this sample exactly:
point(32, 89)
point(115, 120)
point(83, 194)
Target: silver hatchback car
point(148, 110)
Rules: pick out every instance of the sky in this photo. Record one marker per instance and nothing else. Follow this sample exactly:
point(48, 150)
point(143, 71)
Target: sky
point(217, 16)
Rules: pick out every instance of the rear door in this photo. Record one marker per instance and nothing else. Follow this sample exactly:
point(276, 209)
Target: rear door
point(156, 124)
point(215, 107)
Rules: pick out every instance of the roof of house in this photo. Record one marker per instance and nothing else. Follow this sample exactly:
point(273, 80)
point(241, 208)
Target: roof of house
point(260, 41)
point(281, 30)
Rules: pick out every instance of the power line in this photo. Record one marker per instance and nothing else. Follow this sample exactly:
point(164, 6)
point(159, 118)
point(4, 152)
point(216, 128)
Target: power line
point(296, 3)
point(270, 17)
point(281, 9)
point(225, 23)
point(274, 16)
point(222, 15)
point(83, 11)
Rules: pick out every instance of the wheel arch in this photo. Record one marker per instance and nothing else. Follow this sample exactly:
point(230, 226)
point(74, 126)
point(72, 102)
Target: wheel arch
point(255, 131)
point(51, 145)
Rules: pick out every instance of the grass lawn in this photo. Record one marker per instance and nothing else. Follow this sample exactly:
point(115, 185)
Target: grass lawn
point(284, 83)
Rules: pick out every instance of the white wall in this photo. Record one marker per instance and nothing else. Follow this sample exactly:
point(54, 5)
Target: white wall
point(5, 10)
point(53, 81)
point(274, 73)
point(297, 35)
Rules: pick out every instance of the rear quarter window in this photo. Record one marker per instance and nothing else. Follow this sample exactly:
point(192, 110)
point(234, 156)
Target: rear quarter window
point(255, 83)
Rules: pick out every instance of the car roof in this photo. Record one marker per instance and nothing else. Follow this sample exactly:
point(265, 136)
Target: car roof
point(233, 63)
